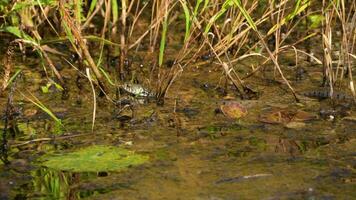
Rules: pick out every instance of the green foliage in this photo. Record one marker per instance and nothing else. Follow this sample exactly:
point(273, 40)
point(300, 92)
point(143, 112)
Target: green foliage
point(45, 88)
point(55, 184)
point(3, 4)
point(197, 5)
point(40, 105)
point(315, 21)
point(95, 159)
point(92, 6)
point(162, 45)
point(13, 77)
point(17, 6)
point(107, 76)
point(68, 32)
point(228, 4)
point(220, 13)
point(26, 129)
point(187, 19)
point(245, 14)
point(14, 30)
point(20, 5)
point(300, 6)
point(115, 11)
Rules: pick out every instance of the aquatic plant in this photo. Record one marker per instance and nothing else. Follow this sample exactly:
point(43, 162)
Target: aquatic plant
point(95, 159)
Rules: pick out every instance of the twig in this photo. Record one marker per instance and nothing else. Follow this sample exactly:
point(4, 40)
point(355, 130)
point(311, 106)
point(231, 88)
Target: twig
point(275, 62)
point(94, 98)
point(47, 139)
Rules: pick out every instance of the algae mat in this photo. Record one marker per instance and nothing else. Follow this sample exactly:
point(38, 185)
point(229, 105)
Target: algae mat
point(94, 159)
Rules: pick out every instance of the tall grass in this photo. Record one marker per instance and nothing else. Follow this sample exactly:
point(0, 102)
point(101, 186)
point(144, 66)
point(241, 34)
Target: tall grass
point(240, 27)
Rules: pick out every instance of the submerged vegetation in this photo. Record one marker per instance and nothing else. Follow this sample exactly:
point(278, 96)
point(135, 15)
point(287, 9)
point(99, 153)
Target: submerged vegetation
point(140, 62)
point(95, 159)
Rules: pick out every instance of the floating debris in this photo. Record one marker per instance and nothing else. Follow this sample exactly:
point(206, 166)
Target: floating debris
point(295, 125)
point(233, 109)
point(241, 178)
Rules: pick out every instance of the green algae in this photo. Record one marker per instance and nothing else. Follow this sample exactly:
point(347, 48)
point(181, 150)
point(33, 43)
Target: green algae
point(95, 159)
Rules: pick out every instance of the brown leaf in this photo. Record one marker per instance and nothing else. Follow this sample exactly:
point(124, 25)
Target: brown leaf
point(233, 109)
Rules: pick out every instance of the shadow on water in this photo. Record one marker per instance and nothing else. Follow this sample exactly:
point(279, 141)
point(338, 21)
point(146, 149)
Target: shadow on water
point(52, 184)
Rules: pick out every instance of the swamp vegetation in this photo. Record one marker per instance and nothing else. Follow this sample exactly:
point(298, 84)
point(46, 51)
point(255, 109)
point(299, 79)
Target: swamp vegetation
point(177, 99)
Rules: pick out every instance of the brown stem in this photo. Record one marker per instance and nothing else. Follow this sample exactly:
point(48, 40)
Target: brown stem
point(123, 50)
point(274, 60)
point(82, 45)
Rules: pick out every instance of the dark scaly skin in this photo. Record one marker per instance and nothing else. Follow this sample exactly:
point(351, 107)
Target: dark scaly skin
point(136, 90)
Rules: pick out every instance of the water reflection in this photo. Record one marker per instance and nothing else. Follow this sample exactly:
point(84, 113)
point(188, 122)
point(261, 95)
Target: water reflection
point(50, 184)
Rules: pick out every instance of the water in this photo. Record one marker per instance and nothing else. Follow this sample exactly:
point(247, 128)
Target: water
point(195, 153)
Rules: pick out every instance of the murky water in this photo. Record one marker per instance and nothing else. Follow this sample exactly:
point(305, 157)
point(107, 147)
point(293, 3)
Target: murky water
point(195, 152)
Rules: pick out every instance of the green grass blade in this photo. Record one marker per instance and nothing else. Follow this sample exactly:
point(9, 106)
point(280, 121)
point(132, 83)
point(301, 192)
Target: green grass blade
point(69, 34)
point(227, 4)
point(187, 19)
point(92, 6)
point(115, 11)
point(245, 14)
point(107, 76)
point(13, 77)
point(14, 30)
point(163, 40)
point(206, 3)
point(40, 105)
point(213, 19)
point(196, 8)
point(299, 7)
